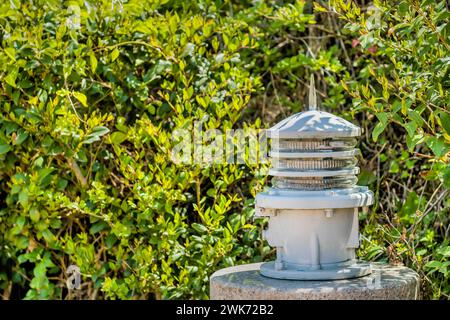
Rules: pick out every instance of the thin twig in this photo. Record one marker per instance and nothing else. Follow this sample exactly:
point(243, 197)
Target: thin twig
point(77, 172)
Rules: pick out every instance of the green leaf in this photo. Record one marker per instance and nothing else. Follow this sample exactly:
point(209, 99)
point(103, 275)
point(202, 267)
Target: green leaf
point(34, 214)
point(20, 137)
point(394, 167)
point(413, 141)
point(11, 53)
point(48, 235)
point(199, 227)
point(416, 117)
point(433, 264)
point(90, 138)
point(211, 192)
point(4, 148)
point(97, 227)
point(366, 177)
point(23, 197)
point(14, 4)
point(383, 117)
point(409, 208)
point(44, 176)
point(118, 137)
point(100, 131)
point(319, 8)
point(93, 61)
point(95, 135)
point(411, 128)
point(115, 54)
point(445, 251)
point(80, 97)
point(437, 145)
point(110, 240)
point(421, 252)
point(446, 177)
point(12, 76)
point(61, 184)
point(445, 121)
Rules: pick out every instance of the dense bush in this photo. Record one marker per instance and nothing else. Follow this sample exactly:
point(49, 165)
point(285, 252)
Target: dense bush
point(92, 92)
point(403, 88)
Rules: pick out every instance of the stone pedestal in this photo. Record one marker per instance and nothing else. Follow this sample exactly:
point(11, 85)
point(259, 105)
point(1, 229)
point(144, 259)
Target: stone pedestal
point(244, 282)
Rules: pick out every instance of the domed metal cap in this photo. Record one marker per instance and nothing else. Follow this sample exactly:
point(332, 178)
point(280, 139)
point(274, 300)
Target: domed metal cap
point(313, 124)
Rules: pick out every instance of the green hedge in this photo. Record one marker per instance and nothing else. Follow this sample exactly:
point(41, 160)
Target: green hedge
point(402, 87)
point(92, 91)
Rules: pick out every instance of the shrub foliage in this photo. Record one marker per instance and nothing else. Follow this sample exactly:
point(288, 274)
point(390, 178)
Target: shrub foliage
point(92, 91)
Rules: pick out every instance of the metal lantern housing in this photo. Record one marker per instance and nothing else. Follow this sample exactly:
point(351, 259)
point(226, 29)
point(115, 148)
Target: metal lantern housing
point(314, 201)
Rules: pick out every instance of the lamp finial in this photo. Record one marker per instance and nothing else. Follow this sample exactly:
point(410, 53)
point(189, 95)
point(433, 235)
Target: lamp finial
point(312, 94)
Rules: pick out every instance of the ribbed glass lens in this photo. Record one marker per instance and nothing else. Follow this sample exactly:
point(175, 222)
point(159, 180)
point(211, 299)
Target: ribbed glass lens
point(313, 144)
point(314, 183)
point(314, 163)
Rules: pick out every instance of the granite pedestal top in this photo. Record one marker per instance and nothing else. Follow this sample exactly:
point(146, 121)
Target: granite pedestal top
point(244, 282)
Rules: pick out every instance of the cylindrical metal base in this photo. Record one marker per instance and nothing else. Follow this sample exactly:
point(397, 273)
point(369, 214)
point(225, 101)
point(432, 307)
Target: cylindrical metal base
point(244, 282)
point(355, 270)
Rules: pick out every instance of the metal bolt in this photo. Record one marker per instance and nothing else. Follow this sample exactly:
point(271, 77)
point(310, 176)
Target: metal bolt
point(329, 213)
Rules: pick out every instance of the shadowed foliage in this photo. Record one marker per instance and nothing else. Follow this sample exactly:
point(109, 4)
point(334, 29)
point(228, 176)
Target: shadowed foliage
point(92, 91)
